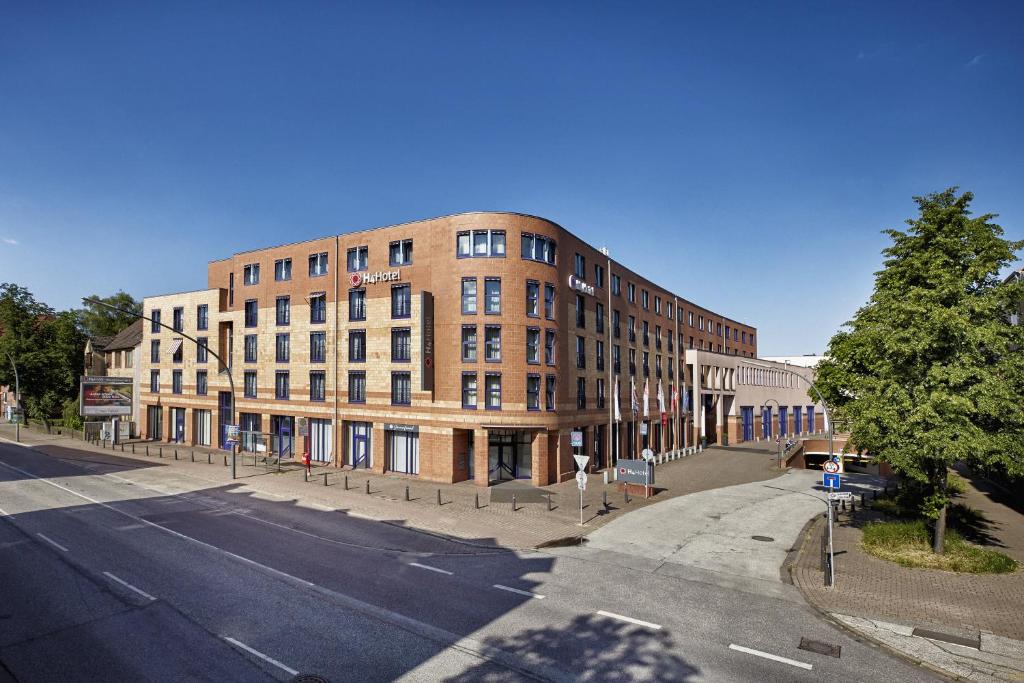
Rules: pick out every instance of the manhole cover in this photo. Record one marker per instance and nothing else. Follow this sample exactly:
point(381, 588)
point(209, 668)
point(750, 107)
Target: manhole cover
point(820, 647)
point(309, 678)
point(766, 539)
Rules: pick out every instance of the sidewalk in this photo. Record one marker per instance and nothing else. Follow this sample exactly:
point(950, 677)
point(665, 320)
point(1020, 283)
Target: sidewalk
point(887, 602)
point(530, 525)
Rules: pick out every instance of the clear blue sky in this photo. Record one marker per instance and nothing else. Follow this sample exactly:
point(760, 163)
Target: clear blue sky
point(745, 156)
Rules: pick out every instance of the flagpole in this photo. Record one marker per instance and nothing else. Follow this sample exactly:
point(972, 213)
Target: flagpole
point(608, 336)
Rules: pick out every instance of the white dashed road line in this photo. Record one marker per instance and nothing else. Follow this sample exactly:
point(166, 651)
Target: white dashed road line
point(428, 567)
point(520, 592)
point(52, 542)
point(631, 620)
point(768, 655)
point(265, 658)
point(129, 586)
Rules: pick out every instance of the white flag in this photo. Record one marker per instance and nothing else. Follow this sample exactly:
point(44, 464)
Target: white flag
point(618, 412)
point(634, 404)
point(647, 397)
point(661, 398)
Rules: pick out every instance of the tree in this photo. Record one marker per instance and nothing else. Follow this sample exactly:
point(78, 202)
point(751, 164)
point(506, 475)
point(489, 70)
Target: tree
point(929, 372)
point(100, 321)
point(47, 348)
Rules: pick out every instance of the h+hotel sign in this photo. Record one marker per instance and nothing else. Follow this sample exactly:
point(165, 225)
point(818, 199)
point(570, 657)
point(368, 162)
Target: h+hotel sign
point(581, 286)
point(360, 279)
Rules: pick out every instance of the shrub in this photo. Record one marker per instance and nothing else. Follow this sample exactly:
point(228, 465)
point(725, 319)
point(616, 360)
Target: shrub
point(908, 543)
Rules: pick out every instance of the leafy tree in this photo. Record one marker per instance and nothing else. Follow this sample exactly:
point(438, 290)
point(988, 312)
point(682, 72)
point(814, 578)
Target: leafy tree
point(47, 348)
point(930, 372)
point(100, 321)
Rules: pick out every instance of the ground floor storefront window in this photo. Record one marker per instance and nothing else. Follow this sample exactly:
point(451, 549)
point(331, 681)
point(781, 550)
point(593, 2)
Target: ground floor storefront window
point(402, 448)
point(509, 454)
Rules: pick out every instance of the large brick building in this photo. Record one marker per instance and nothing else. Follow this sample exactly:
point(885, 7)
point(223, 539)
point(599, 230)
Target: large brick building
point(461, 347)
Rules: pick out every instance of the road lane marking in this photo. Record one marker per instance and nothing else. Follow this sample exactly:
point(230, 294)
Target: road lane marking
point(129, 586)
point(433, 569)
point(520, 592)
point(631, 620)
point(265, 658)
point(52, 542)
point(768, 655)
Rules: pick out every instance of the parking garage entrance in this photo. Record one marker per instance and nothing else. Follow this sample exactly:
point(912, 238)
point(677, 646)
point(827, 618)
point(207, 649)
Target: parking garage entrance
point(509, 454)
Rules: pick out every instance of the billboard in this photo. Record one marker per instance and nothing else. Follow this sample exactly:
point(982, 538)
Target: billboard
point(100, 396)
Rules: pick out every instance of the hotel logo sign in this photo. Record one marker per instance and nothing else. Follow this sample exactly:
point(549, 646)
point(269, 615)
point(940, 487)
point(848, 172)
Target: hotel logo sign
point(580, 286)
point(360, 279)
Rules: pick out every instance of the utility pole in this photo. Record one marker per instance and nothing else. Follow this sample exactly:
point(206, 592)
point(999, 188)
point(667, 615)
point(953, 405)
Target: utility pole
point(17, 401)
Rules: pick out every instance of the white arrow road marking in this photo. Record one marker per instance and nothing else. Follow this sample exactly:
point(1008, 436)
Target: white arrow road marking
point(128, 586)
point(516, 590)
point(433, 569)
point(52, 542)
point(265, 658)
point(631, 620)
point(768, 655)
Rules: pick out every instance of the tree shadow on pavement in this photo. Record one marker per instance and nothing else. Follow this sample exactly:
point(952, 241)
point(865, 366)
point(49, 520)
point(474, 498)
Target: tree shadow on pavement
point(590, 648)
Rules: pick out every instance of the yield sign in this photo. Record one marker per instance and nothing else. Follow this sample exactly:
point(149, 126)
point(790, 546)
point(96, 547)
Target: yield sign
point(581, 461)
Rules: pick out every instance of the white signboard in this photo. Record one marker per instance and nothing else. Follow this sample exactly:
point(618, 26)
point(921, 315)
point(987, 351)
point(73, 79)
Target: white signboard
point(576, 439)
point(840, 495)
point(580, 286)
point(581, 461)
point(581, 480)
point(647, 454)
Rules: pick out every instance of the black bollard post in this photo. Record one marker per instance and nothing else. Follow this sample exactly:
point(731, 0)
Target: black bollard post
point(625, 492)
point(161, 449)
point(209, 458)
point(604, 499)
point(853, 506)
point(122, 448)
point(863, 500)
point(842, 505)
point(367, 487)
point(439, 496)
point(325, 479)
point(225, 460)
point(549, 502)
point(175, 453)
point(346, 482)
point(407, 493)
point(513, 502)
point(133, 449)
point(192, 454)
point(147, 451)
point(476, 501)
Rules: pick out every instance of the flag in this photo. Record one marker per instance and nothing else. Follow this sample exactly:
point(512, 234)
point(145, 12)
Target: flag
point(661, 398)
point(647, 397)
point(618, 412)
point(675, 400)
point(632, 391)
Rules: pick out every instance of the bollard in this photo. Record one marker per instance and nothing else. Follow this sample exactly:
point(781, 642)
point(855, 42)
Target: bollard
point(133, 449)
point(175, 453)
point(842, 505)
point(853, 506)
point(122, 448)
point(325, 479)
point(863, 499)
point(367, 487)
point(193, 456)
point(513, 502)
point(225, 460)
point(604, 499)
point(147, 451)
point(549, 502)
point(625, 492)
point(305, 475)
point(346, 482)
point(161, 449)
point(439, 496)
point(209, 458)
point(476, 501)
point(407, 493)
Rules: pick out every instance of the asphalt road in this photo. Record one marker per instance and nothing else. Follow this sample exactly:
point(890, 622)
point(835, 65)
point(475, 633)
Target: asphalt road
point(104, 579)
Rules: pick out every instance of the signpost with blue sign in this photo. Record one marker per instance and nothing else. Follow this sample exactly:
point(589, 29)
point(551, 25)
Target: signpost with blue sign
point(830, 481)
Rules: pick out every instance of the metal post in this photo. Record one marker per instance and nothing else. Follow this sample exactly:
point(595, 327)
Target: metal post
point(513, 502)
point(367, 487)
point(17, 401)
point(346, 482)
point(831, 576)
point(581, 507)
point(439, 496)
point(325, 479)
point(407, 493)
point(476, 501)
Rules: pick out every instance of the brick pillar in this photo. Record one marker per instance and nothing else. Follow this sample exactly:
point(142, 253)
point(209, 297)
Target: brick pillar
point(539, 458)
point(377, 444)
point(566, 466)
point(480, 460)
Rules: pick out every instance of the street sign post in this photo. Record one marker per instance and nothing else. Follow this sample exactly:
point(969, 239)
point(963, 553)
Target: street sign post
point(576, 439)
point(581, 477)
point(647, 454)
point(831, 466)
point(830, 481)
point(840, 495)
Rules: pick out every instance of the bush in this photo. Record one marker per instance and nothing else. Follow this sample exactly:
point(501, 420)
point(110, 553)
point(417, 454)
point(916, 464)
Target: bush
point(908, 543)
point(71, 418)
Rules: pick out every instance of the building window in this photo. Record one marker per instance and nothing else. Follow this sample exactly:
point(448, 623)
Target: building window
point(581, 352)
point(657, 305)
point(599, 317)
point(201, 383)
point(743, 335)
point(249, 389)
point(492, 343)
point(727, 331)
point(533, 392)
point(358, 259)
point(202, 317)
point(600, 392)
point(549, 301)
point(283, 269)
point(201, 349)
point(533, 345)
point(644, 299)
point(718, 329)
point(154, 317)
point(631, 329)
point(282, 348)
point(251, 313)
point(549, 392)
point(700, 320)
point(154, 351)
point(617, 359)
point(579, 266)
point(357, 346)
point(632, 361)
point(401, 388)
point(400, 253)
point(251, 274)
point(284, 310)
point(581, 319)
point(616, 285)
point(250, 348)
point(178, 319)
point(357, 387)
point(154, 381)
point(598, 275)
point(357, 304)
point(549, 347)
point(669, 310)
point(657, 337)
point(401, 301)
point(668, 338)
point(532, 298)
point(492, 387)
point(647, 363)
point(129, 357)
point(616, 320)
point(492, 296)
point(401, 344)
point(318, 264)
point(317, 385)
point(581, 393)
point(538, 248)
point(481, 243)
point(469, 343)
point(657, 365)
point(317, 347)
point(600, 355)
point(689, 318)
point(469, 390)
point(178, 355)
point(646, 333)
point(281, 385)
point(317, 307)
point(631, 292)
point(469, 295)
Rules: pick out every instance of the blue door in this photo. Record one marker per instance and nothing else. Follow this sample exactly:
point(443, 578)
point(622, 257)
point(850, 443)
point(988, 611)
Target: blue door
point(797, 420)
point(224, 403)
point(179, 425)
point(747, 412)
point(783, 419)
point(810, 419)
point(766, 422)
point(282, 430)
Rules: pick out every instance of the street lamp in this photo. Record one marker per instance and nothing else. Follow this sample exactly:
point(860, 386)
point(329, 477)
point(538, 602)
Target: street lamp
point(824, 405)
point(17, 401)
point(227, 368)
point(779, 437)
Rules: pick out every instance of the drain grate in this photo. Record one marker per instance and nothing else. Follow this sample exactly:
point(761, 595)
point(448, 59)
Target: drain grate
point(766, 539)
point(820, 647)
point(309, 678)
point(948, 638)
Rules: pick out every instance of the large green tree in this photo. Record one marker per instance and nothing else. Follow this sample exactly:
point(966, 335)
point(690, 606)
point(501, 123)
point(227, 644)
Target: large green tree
point(929, 372)
point(100, 321)
point(47, 348)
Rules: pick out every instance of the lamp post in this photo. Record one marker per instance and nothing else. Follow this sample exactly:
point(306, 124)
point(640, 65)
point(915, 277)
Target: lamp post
point(824, 406)
point(17, 401)
point(227, 368)
point(779, 437)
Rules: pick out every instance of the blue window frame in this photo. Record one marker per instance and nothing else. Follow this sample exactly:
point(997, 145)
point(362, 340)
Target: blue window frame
point(357, 304)
point(318, 307)
point(251, 313)
point(250, 348)
point(201, 383)
point(401, 301)
point(202, 317)
point(249, 387)
point(317, 347)
point(357, 387)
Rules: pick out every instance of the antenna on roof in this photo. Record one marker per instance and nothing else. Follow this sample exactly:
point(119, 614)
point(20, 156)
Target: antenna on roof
point(604, 250)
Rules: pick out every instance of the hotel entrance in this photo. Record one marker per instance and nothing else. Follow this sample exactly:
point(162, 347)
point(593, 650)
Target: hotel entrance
point(509, 454)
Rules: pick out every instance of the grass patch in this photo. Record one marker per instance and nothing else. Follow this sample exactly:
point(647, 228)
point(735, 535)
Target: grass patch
point(908, 543)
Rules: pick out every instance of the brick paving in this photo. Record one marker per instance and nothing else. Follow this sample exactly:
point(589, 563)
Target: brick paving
point(949, 602)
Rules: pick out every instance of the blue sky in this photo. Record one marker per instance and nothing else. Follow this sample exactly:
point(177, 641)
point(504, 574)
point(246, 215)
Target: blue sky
point(744, 155)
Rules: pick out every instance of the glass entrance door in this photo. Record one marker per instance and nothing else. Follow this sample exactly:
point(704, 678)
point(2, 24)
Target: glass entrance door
point(509, 455)
point(359, 453)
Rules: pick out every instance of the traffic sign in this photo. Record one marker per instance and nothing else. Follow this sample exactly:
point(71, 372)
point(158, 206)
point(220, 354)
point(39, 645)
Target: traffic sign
point(581, 461)
point(840, 495)
point(831, 466)
point(576, 439)
point(830, 481)
point(581, 480)
point(647, 454)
